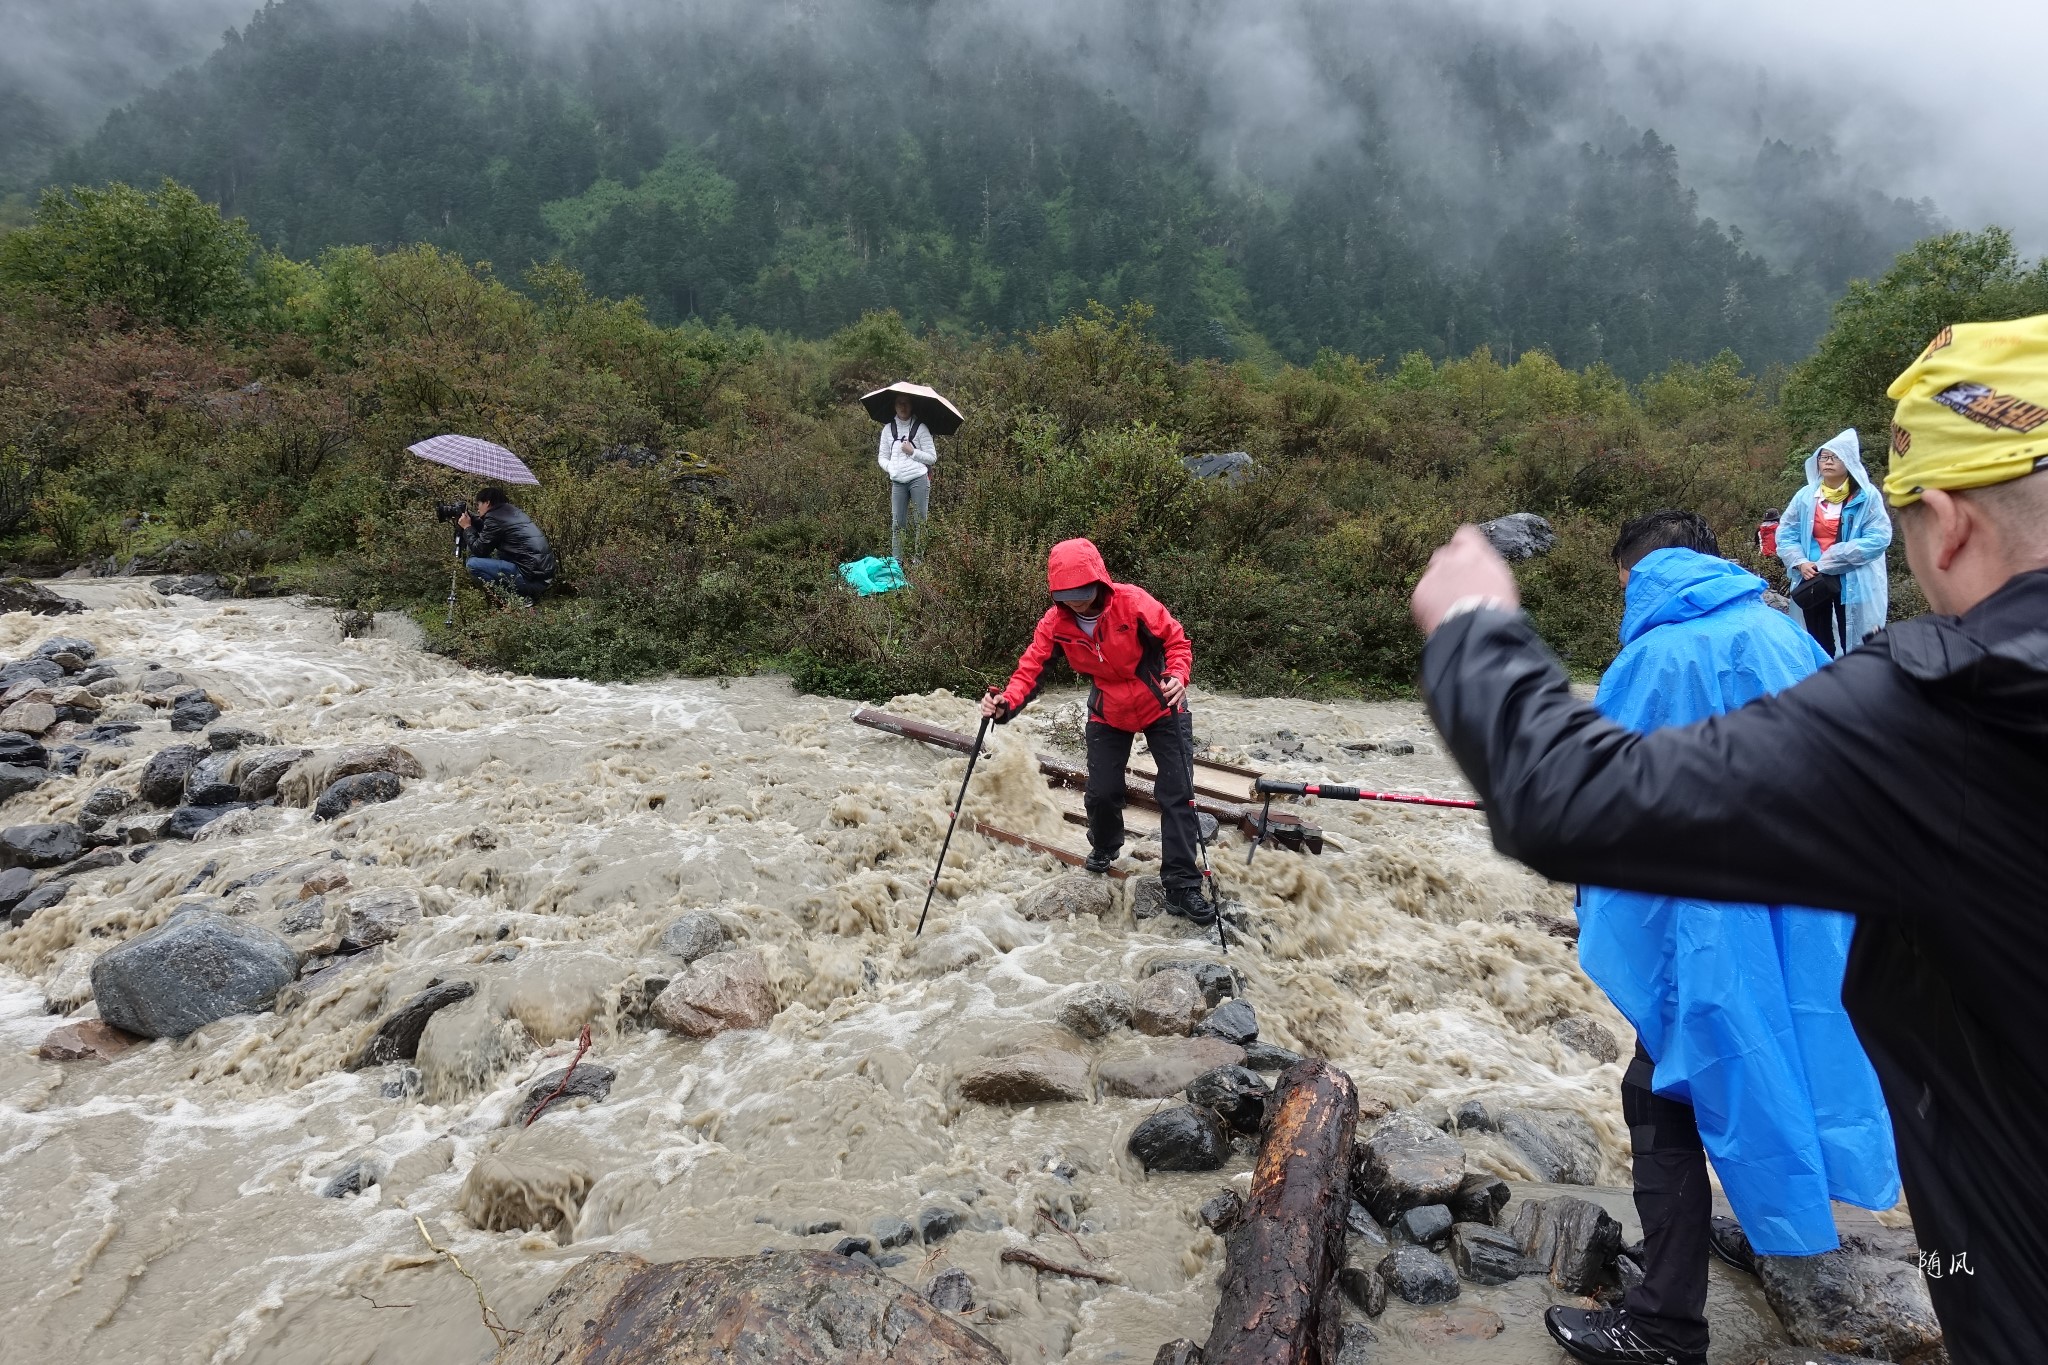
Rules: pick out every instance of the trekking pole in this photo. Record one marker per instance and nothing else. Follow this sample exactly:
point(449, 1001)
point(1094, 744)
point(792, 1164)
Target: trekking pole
point(454, 576)
point(1269, 787)
point(952, 823)
point(1210, 889)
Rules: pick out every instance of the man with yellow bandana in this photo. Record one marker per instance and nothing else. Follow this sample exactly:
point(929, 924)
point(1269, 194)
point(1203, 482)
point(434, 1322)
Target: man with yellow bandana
point(1932, 740)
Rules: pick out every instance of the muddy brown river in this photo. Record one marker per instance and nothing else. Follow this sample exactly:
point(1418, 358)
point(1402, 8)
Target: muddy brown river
point(166, 1205)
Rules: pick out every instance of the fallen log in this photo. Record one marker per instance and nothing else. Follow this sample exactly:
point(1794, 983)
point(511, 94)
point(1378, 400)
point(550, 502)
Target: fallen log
point(1286, 829)
point(1018, 1256)
point(1065, 855)
point(1280, 1303)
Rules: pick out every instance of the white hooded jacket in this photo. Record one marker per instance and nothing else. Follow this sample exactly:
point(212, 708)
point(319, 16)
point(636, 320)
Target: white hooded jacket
point(889, 454)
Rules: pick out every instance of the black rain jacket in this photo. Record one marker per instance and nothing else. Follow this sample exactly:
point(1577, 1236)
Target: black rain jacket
point(509, 534)
point(1907, 782)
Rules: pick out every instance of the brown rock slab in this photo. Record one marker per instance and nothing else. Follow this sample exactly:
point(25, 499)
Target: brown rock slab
point(1169, 1003)
point(1036, 1076)
point(1856, 1304)
point(1165, 1068)
point(29, 717)
point(86, 1040)
point(720, 992)
point(792, 1307)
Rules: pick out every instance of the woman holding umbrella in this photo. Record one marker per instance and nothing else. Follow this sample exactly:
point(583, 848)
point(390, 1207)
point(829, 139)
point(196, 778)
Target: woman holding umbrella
point(911, 415)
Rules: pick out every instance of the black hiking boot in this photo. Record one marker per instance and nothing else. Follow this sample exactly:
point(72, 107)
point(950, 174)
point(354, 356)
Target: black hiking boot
point(1190, 904)
point(1728, 1241)
point(1604, 1336)
point(1099, 862)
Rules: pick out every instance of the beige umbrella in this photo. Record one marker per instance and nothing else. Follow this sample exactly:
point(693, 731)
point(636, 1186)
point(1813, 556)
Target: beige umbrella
point(929, 406)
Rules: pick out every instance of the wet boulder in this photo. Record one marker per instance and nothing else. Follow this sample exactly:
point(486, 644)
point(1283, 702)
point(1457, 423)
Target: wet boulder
point(40, 845)
point(88, 1040)
point(1364, 1288)
point(23, 750)
point(1858, 1304)
point(1216, 980)
point(165, 775)
point(302, 784)
point(1479, 1198)
point(1403, 1164)
point(85, 651)
point(353, 1178)
point(118, 733)
point(1065, 897)
point(1096, 1009)
point(28, 717)
point(19, 594)
point(937, 1223)
point(193, 710)
point(1472, 1116)
point(1164, 1068)
point(223, 738)
point(1034, 1076)
point(1359, 1223)
point(1414, 1275)
point(186, 822)
point(1233, 1022)
point(1168, 1003)
point(1179, 1351)
point(890, 1231)
point(1235, 1092)
point(190, 971)
point(1426, 1225)
point(37, 901)
point(15, 884)
point(39, 672)
point(358, 789)
point(721, 992)
point(951, 1290)
point(1185, 1138)
point(1221, 1211)
point(584, 1081)
point(208, 783)
point(792, 1307)
point(397, 1038)
point(259, 773)
point(1573, 1237)
point(1519, 535)
point(1589, 1036)
point(1559, 1146)
point(207, 587)
point(16, 778)
point(372, 917)
point(1486, 1255)
point(1267, 1057)
point(697, 934)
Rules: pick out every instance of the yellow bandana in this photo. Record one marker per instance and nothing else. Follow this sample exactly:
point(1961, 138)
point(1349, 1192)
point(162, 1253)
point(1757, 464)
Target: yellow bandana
point(1973, 409)
point(1837, 494)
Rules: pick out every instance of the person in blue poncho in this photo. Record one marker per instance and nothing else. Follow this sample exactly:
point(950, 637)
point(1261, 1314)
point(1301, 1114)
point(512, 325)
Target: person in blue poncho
point(1745, 1053)
point(1832, 537)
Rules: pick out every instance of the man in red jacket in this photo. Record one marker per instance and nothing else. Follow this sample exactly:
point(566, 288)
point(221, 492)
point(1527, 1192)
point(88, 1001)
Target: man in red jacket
point(1137, 656)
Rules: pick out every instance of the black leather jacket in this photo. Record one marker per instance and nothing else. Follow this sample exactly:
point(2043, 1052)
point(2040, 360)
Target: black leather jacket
point(1907, 782)
point(509, 534)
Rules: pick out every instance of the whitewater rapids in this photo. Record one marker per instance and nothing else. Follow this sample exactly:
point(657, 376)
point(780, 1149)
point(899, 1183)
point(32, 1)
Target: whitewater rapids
point(166, 1205)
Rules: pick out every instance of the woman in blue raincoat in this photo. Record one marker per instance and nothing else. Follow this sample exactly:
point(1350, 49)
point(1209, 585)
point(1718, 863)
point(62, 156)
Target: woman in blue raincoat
point(1833, 535)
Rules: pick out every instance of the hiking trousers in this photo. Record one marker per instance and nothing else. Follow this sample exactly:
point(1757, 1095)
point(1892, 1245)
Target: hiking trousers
point(909, 505)
point(1676, 1207)
point(1171, 740)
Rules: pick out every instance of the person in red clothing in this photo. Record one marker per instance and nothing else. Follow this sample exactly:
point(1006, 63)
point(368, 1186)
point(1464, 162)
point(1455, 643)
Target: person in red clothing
point(1137, 656)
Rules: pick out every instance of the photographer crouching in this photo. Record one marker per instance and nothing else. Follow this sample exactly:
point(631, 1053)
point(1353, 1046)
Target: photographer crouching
point(502, 548)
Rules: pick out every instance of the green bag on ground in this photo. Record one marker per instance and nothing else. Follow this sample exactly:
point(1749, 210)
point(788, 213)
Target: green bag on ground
point(871, 575)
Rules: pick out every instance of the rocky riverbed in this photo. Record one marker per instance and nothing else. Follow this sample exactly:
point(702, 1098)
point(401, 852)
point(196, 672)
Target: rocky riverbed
point(453, 879)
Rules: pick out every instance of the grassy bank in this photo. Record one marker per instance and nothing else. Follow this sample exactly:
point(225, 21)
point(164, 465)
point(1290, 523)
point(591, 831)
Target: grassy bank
point(702, 483)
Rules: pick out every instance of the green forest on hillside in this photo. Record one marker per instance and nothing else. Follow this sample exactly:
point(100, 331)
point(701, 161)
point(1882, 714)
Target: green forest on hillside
point(799, 168)
point(174, 388)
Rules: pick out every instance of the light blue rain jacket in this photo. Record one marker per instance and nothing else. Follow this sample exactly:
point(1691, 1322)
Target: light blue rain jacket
point(1740, 1006)
point(1858, 555)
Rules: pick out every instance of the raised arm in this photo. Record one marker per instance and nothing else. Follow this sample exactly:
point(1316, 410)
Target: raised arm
point(1694, 810)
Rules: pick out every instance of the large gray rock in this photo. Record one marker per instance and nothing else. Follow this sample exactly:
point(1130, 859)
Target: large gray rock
point(192, 711)
point(722, 992)
point(1479, 1198)
point(85, 650)
point(1486, 1255)
point(1185, 1138)
point(1519, 535)
point(259, 773)
point(16, 778)
point(1034, 1076)
point(208, 784)
point(1238, 1093)
point(697, 934)
point(1417, 1276)
point(103, 805)
point(187, 821)
point(1853, 1303)
point(165, 775)
point(1075, 894)
point(1573, 1237)
point(1096, 1009)
point(1559, 1146)
point(185, 974)
point(790, 1307)
point(39, 845)
point(1233, 1021)
point(1405, 1163)
point(1168, 1003)
point(357, 789)
point(19, 594)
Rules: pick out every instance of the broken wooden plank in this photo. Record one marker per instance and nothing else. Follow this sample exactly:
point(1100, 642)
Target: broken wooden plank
point(1280, 1304)
point(1065, 855)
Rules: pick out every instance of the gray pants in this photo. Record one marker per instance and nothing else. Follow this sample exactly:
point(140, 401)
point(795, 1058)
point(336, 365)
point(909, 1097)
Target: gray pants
point(909, 504)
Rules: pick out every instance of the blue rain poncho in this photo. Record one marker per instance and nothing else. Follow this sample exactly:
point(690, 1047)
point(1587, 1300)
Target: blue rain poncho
point(1858, 555)
point(872, 575)
point(1739, 1006)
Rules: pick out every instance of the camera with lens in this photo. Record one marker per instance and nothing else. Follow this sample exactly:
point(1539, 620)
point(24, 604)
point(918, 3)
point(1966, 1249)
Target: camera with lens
point(450, 511)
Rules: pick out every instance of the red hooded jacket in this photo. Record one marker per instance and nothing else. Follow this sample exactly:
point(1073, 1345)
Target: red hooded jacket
point(1137, 644)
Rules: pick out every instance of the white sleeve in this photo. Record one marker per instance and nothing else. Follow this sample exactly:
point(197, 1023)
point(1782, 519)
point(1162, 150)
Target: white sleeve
point(926, 453)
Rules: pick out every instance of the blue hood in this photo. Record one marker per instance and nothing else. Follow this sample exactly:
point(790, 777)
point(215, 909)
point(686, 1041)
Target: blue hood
point(1669, 586)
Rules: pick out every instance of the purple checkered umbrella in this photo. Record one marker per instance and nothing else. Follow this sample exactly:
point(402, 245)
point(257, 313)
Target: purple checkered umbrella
point(472, 456)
